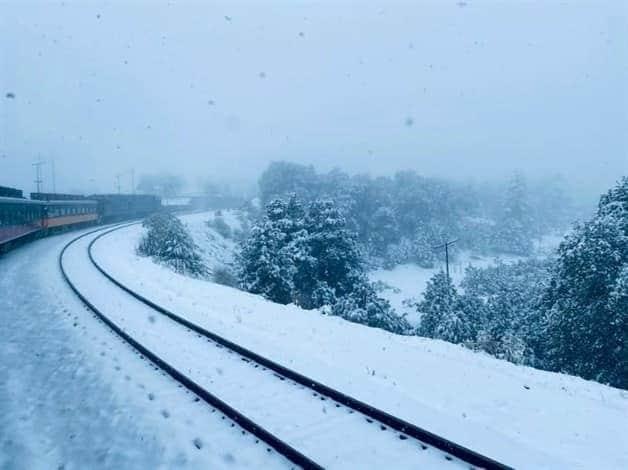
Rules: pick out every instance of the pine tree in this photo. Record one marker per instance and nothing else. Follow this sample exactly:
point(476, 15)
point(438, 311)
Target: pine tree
point(167, 241)
point(586, 332)
point(618, 342)
point(310, 258)
point(514, 230)
point(442, 313)
point(266, 264)
point(334, 252)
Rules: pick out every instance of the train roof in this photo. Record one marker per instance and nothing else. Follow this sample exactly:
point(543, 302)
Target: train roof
point(121, 196)
point(57, 197)
point(75, 202)
point(17, 200)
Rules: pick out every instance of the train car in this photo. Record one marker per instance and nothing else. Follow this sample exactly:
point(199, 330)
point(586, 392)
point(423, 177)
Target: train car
point(20, 219)
point(57, 197)
point(116, 207)
point(10, 192)
point(66, 214)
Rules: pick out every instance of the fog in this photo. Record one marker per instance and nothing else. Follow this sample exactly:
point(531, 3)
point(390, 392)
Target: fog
point(470, 89)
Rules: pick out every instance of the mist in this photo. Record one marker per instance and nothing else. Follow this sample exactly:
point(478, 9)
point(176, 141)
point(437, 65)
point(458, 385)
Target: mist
point(464, 90)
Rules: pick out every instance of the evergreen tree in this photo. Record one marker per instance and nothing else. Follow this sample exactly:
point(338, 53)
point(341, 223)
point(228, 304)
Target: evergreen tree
point(362, 305)
point(312, 259)
point(265, 262)
point(586, 326)
point(443, 315)
point(167, 241)
point(333, 247)
point(283, 178)
point(514, 229)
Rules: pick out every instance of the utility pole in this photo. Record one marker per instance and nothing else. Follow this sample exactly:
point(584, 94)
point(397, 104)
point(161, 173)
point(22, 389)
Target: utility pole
point(38, 179)
point(54, 176)
point(446, 246)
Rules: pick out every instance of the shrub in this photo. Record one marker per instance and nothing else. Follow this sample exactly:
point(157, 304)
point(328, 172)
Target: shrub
point(167, 241)
point(225, 276)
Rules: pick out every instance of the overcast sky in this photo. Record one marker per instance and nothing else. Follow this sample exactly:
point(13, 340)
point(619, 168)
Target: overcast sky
point(218, 89)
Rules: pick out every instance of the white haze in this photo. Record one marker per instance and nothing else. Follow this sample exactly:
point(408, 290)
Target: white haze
point(470, 89)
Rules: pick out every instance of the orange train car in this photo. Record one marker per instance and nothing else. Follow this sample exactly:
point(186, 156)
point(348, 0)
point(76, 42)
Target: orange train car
point(70, 213)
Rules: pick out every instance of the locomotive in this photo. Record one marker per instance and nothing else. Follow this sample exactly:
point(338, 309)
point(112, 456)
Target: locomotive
point(24, 219)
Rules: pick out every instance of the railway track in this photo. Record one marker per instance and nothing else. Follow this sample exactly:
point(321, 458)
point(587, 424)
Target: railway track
point(305, 397)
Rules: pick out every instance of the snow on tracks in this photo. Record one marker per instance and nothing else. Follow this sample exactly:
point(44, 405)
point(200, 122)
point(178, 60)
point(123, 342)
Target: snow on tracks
point(229, 445)
point(319, 420)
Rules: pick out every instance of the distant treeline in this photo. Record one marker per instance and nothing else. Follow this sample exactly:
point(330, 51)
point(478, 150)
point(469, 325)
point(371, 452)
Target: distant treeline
point(401, 218)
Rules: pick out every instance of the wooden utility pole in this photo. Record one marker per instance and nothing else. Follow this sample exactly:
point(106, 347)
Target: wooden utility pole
point(446, 246)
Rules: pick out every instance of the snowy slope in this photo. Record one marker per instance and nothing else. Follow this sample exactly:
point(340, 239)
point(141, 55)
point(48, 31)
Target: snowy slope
point(524, 417)
point(215, 250)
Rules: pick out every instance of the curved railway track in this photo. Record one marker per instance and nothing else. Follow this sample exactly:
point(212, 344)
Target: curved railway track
point(404, 430)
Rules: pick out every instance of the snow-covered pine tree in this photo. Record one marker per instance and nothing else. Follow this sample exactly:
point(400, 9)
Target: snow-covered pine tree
point(363, 305)
point(514, 229)
point(283, 178)
point(442, 313)
point(508, 296)
point(586, 327)
point(333, 250)
point(385, 229)
point(265, 262)
point(167, 241)
point(618, 305)
point(311, 259)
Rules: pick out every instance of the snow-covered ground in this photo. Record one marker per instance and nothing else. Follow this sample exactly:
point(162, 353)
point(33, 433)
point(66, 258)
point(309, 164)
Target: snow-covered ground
point(524, 417)
point(331, 435)
point(74, 396)
point(215, 250)
point(408, 281)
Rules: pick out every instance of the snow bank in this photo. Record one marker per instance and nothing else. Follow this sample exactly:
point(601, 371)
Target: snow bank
point(522, 416)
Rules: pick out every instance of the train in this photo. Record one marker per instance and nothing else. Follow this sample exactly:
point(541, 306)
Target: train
point(23, 219)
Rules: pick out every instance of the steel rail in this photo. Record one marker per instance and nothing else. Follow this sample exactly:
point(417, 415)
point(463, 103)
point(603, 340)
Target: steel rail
point(247, 424)
point(403, 427)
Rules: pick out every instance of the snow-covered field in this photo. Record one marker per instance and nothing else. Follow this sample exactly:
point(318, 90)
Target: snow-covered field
point(524, 417)
point(408, 281)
